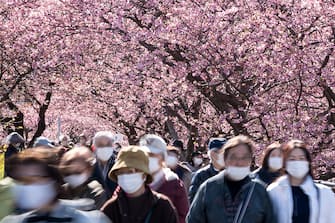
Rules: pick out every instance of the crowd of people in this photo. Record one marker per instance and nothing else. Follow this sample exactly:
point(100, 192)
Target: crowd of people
point(108, 181)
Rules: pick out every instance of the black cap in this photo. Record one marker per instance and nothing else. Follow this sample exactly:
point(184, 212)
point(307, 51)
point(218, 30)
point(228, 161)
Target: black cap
point(216, 143)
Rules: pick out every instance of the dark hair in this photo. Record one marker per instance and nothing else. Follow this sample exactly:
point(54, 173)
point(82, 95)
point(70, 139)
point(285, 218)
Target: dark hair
point(268, 151)
point(178, 143)
point(48, 159)
point(174, 149)
point(298, 144)
point(236, 141)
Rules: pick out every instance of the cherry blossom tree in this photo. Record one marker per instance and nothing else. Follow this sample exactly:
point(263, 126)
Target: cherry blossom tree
point(182, 69)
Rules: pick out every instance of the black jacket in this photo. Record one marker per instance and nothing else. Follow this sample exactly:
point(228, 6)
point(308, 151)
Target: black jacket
point(214, 201)
point(199, 177)
point(155, 208)
point(102, 177)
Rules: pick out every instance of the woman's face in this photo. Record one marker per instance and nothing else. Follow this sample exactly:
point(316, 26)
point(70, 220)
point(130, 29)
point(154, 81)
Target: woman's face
point(297, 155)
point(276, 153)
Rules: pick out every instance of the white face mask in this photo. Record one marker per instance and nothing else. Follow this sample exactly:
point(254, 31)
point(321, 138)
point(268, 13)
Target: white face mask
point(34, 196)
point(298, 168)
point(171, 161)
point(130, 183)
point(76, 179)
point(197, 161)
point(154, 165)
point(275, 163)
point(237, 173)
point(104, 153)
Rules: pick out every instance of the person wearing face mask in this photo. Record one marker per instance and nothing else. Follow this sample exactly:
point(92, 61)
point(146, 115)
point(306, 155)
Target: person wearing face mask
point(76, 167)
point(172, 161)
point(295, 196)
point(214, 167)
point(231, 195)
point(104, 149)
point(134, 201)
point(13, 144)
point(164, 180)
point(272, 164)
point(37, 183)
point(196, 161)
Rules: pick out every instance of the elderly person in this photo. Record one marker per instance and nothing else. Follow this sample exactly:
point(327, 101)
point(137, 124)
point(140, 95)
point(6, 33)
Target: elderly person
point(37, 188)
point(295, 196)
point(214, 167)
point(164, 180)
point(105, 150)
point(76, 167)
point(134, 201)
point(231, 195)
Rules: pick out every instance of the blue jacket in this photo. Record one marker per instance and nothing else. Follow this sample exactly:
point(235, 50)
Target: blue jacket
point(199, 177)
point(214, 203)
point(102, 177)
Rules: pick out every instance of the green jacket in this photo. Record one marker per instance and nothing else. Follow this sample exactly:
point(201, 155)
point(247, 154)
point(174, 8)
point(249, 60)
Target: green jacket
point(6, 197)
point(213, 203)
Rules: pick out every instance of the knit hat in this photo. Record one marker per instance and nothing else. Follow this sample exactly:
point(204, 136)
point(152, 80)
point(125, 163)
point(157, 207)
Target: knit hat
point(14, 138)
point(155, 144)
point(216, 143)
point(134, 157)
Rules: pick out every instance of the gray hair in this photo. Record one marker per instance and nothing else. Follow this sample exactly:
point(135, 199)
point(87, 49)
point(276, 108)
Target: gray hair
point(103, 134)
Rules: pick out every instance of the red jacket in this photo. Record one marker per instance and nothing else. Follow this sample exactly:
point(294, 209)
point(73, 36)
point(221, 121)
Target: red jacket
point(172, 187)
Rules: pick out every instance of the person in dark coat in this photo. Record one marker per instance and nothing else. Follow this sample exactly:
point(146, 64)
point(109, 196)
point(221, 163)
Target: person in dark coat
point(14, 143)
point(196, 162)
point(104, 148)
point(172, 161)
point(133, 201)
point(272, 165)
point(214, 167)
point(232, 196)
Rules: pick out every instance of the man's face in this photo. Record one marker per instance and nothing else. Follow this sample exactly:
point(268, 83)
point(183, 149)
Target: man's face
point(238, 156)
